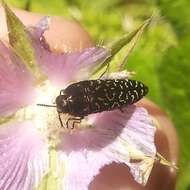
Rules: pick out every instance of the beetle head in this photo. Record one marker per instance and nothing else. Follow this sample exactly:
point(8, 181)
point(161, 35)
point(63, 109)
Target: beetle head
point(62, 104)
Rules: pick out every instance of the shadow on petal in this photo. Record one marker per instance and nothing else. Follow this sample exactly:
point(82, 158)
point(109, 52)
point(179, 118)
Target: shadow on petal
point(107, 126)
point(116, 137)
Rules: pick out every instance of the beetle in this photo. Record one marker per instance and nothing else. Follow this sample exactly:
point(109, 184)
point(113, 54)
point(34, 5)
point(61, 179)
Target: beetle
point(92, 96)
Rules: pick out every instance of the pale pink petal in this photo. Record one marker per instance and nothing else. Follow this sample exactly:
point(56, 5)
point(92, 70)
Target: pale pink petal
point(23, 157)
point(117, 137)
point(15, 82)
point(69, 66)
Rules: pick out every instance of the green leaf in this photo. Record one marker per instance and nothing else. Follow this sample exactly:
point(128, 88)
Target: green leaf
point(20, 41)
point(117, 45)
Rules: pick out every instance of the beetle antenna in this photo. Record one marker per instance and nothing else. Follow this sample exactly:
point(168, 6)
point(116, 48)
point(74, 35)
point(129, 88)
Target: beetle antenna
point(46, 105)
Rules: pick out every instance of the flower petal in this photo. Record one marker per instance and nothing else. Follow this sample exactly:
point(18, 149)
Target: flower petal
point(117, 137)
point(65, 67)
point(15, 82)
point(23, 157)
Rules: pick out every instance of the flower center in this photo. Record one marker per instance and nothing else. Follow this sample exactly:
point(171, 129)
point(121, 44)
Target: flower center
point(45, 119)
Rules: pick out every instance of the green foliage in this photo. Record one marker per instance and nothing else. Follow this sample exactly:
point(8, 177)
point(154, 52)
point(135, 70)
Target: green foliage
point(55, 7)
point(177, 12)
point(175, 90)
point(175, 71)
point(148, 56)
point(161, 59)
point(17, 3)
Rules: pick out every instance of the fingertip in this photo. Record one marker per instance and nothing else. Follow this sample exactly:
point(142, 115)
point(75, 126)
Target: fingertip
point(63, 34)
point(68, 35)
point(117, 176)
point(165, 127)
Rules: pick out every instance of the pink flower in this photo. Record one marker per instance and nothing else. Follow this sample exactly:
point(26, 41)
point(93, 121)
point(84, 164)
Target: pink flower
point(29, 133)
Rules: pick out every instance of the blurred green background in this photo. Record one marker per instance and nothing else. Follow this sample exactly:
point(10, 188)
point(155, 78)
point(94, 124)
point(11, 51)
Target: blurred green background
point(161, 59)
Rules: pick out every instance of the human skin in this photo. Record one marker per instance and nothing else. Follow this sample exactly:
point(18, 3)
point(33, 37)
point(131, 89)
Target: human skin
point(69, 34)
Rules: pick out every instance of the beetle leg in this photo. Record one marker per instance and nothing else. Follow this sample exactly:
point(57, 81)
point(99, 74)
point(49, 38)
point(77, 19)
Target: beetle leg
point(60, 120)
point(106, 70)
point(67, 123)
point(75, 120)
point(121, 110)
